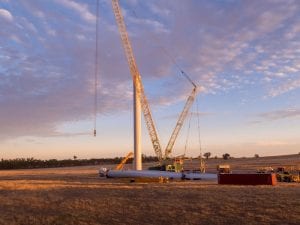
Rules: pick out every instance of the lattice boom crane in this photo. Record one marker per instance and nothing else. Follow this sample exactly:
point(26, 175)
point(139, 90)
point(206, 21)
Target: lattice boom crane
point(137, 79)
point(180, 122)
point(140, 91)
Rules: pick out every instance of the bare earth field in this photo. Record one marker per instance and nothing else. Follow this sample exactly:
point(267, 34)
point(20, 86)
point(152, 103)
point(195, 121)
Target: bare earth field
point(77, 196)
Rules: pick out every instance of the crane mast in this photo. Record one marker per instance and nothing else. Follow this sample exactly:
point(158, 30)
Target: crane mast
point(180, 121)
point(137, 80)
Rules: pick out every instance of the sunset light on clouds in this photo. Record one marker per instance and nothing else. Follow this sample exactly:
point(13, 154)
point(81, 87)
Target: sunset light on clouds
point(244, 55)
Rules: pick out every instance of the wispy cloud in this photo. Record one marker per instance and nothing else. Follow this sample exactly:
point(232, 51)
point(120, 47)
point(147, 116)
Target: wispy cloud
point(277, 115)
point(47, 53)
point(81, 8)
point(287, 86)
point(159, 10)
point(60, 134)
point(5, 14)
point(154, 24)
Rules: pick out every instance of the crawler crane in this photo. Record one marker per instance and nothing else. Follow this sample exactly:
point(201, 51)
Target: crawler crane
point(141, 99)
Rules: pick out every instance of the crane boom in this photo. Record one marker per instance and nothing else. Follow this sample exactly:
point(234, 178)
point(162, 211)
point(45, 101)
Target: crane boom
point(121, 164)
point(137, 79)
point(180, 121)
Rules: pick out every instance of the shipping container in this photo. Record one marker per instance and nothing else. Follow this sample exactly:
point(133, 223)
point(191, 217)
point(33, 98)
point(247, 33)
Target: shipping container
point(247, 178)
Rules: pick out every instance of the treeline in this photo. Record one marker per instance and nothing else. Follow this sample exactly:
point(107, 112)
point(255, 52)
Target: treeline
point(32, 163)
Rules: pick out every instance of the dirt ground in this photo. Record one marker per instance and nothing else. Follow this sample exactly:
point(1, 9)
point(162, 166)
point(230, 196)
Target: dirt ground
point(78, 196)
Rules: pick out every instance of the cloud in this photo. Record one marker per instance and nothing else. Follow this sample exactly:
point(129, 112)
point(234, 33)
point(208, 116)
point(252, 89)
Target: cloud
point(238, 49)
point(47, 56)
point(293, 32)
point(154, 24)
point(80, 8)
point(206, 44)
point(5, 14)
point(47, 75)
point(288, 86)
point(159, 10)
point(279, 114)
point(60, 134)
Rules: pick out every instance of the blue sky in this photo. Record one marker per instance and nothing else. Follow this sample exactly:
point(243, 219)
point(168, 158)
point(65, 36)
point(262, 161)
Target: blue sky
point(244, 56)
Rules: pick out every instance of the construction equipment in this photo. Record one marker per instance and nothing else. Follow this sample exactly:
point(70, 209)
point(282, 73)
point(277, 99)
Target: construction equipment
point(225, 168)
point(137, 80)
point(177, 165)
point(103, 170)
point(267, 169)
point(141, 94)
point(202, 165)
point(122, 163)
point(180, 121)
point(288, 174)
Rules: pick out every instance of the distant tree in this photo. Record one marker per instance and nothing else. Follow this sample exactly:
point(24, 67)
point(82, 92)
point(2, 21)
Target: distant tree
point(74, 157)
point(226, 156)
point(256, 156)
point(207, 155)
point(216, 157)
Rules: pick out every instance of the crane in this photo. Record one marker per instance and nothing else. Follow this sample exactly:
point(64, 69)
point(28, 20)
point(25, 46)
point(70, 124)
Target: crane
point(121, 164)
point(180, 122)
point(141, 94)
point(137, 80)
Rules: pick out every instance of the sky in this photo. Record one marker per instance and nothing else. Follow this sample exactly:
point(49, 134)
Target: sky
point(243, 55)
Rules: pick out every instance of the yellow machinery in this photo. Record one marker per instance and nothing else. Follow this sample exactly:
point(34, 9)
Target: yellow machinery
point(140, 91)
point(177, 165)
point(137, 79)
point(225, 168)
point(202, 165)
point(288, 174)
point(180, 121)
point(283, 174)
point(267, 169)
point(122, 163)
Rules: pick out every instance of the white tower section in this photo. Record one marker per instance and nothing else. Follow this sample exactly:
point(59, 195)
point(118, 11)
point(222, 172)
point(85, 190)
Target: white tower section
point(137, 162)
point(140, 100)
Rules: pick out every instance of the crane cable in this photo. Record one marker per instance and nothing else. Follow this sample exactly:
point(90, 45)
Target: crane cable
point(96, 73)
point(188, 134)
point(164, 50)
point(177, 65)
point(202, 162)
point(199, 133)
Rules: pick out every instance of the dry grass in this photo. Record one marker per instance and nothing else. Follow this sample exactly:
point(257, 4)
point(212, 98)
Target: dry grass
point(78, 196)
point(249, 164)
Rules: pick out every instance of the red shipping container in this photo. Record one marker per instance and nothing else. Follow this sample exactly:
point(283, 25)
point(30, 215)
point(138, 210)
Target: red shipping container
point(247, 178)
